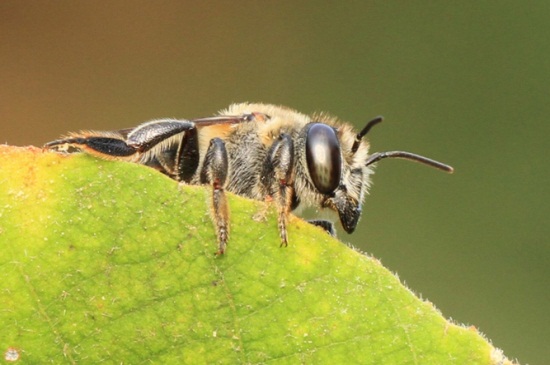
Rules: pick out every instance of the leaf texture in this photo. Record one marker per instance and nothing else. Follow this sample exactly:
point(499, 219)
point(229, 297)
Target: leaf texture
point(111, 262)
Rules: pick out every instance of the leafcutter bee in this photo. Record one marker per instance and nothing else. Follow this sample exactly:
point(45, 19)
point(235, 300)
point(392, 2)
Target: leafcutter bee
point(259, 151)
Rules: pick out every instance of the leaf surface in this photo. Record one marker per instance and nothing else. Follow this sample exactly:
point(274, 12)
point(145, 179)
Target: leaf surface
point(111, 262)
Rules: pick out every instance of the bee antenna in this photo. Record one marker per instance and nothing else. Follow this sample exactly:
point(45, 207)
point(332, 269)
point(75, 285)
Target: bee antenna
point(363, 132)
point(375, 157)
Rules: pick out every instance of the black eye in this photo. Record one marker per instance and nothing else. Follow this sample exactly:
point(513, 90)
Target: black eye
point(324, 161)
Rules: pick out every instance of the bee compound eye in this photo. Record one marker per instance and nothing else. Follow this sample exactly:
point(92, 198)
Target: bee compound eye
point(324, 160)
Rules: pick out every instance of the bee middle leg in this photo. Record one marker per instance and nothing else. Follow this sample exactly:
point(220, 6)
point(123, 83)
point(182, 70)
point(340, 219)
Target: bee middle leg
point(278, 179)
point(214, 172)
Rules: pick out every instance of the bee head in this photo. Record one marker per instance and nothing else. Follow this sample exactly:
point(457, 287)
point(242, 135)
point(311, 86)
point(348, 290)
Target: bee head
point(331, 172)
point(340, 174)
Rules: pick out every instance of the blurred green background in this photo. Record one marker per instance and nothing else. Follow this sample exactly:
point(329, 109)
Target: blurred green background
point(464, 82)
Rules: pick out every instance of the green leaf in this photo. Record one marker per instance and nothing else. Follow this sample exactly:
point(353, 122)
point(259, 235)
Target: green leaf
point(111, 262)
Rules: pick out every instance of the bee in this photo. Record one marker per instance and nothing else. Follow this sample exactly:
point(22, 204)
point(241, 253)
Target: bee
point(259, 151)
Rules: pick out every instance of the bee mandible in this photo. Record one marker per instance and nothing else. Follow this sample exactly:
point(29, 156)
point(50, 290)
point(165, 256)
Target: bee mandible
point(259, 151)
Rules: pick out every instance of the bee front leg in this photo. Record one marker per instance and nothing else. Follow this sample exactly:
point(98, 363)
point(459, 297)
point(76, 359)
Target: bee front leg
point(328, 226)
point(278, 180)
point(214, 172)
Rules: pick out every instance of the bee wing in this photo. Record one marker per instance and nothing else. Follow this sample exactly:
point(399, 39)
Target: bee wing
point(215, 120)
point(228, 119)
point(124, 132)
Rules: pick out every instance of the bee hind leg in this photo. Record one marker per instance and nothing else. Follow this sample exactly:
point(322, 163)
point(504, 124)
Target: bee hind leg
point(123, 144)
point(105, 146)
point(214, 172)
point(147, 135)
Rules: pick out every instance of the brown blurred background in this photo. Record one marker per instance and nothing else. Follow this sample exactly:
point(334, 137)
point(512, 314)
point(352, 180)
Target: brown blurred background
point(463, 82)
